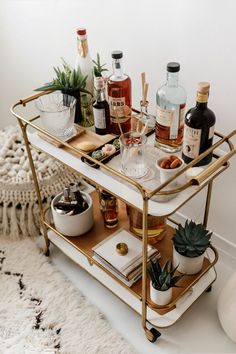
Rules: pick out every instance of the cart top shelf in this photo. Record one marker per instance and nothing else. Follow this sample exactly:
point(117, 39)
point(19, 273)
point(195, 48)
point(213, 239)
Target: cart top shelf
point(114, 185)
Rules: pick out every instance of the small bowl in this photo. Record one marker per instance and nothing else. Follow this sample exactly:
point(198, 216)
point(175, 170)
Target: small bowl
point(166, 173)
point(73, 225)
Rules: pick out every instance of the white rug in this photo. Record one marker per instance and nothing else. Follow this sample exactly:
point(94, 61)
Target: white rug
point(42, 313)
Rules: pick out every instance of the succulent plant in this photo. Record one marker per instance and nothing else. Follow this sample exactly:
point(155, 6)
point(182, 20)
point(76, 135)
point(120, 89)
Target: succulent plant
point(163, 277)
point(98, 67)
point(191, 240)
point(67, 80)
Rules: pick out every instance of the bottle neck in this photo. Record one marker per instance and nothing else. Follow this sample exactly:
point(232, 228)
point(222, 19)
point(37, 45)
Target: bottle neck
point(117, 68)
point(101, 95)
point(172, 79)
point(202, 99)
point(82, 46)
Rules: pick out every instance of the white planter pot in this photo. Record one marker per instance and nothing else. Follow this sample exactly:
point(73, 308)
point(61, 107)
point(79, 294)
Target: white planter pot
point(160, 297)
point(187, 265)
point(73, 225)
point(226, 307)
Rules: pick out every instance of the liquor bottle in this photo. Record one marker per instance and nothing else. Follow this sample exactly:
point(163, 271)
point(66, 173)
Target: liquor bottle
point(171, 100)
point(119, 96)
point(83, 58)
point(199, 128)
point(109, 209)
point(101, 111)
point(81, 203)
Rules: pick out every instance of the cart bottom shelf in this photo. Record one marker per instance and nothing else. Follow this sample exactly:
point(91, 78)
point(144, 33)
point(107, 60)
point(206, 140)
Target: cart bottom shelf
point(126, 296)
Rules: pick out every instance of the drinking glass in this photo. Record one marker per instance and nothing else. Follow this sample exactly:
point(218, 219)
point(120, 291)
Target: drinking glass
point(132, 149)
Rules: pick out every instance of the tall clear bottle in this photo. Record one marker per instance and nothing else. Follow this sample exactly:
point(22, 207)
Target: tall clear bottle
point(171, 101)
point(84, 61)
point(199, 128)
point(101, 111)
point(83, 58)
point(119, 96)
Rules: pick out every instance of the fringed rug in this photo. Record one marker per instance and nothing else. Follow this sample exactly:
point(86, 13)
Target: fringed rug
point(41, 312)
point(19, 212)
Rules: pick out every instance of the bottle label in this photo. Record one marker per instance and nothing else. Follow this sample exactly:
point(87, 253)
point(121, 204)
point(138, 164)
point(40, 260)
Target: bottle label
point(165, 117)
point(191, 141)
point(99, 118)
point(211, 132)
point(119, 110)
point(82, 48)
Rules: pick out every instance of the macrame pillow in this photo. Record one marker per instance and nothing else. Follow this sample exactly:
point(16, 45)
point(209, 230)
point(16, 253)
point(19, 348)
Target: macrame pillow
point(19, 212)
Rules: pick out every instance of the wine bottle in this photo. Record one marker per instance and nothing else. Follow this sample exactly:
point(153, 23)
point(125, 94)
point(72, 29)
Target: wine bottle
point(199, 128)
point(119, 96)
point(101, 111)
point(171, 100)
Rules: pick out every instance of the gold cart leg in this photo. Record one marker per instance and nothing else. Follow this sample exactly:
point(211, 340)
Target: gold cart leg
point(207, 205)
point(151, 334)
point(36, 184)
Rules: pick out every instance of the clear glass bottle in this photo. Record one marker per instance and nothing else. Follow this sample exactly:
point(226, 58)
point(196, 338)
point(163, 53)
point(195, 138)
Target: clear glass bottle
point(84, 61)
point(171, 101)
point(199, 128)
point(101, 111)
point(83, 58)
point(119, 96)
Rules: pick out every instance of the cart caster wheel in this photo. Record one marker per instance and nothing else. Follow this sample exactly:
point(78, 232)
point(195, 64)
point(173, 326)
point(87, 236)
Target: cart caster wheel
point(152, 334)
point(46, 252)
point(208, 290)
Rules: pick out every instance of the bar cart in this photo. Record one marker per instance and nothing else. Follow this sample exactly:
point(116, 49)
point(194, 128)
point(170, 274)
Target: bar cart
point(148, 201)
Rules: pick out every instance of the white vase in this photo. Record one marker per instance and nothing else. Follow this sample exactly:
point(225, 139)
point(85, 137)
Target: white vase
point(226, 307)
point(160, 297)
point(187, 265)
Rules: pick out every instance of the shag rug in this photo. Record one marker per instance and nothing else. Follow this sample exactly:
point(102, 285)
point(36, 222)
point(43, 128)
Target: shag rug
point(41, 312)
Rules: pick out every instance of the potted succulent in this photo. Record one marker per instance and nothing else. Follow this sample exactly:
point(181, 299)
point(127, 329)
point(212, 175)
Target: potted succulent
point(163, 279)
point(190, 243)
point(70, 82)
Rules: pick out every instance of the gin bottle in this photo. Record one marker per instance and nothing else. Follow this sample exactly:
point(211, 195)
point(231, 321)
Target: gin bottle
point(199, 128)
point(171, 100)
point(119, 96)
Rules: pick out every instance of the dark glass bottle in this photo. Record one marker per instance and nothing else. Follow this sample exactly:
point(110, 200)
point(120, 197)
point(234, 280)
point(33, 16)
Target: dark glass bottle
point(199, 128)
point(101, 109)
point(119, 96)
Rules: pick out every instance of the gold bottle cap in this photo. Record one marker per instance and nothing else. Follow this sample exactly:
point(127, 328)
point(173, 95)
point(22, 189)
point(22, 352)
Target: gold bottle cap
point(203, 87)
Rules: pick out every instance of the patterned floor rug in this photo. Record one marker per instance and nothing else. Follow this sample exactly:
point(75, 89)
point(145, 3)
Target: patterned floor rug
point(41, 312)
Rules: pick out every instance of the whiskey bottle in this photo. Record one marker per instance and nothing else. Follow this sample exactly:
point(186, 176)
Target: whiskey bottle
point(199, 128)
point(101, 111)
point(171, 100)
point(119, 97)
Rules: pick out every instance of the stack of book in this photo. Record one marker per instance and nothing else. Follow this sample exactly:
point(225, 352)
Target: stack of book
point(127, 268)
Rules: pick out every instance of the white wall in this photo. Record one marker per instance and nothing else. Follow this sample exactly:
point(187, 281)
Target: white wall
point(200, 34)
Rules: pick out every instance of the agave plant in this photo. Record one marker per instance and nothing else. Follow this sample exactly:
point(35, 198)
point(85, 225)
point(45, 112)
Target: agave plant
point(163, 278)
point(98, 67)
point(191, 240)
point(67, 80)
point(70, 82)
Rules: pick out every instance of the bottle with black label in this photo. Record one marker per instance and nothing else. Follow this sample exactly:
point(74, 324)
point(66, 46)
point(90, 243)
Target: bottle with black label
point(199, 128)
point(101, 109)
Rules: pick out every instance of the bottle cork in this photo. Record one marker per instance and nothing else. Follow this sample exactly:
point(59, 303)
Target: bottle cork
point(203, 87)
